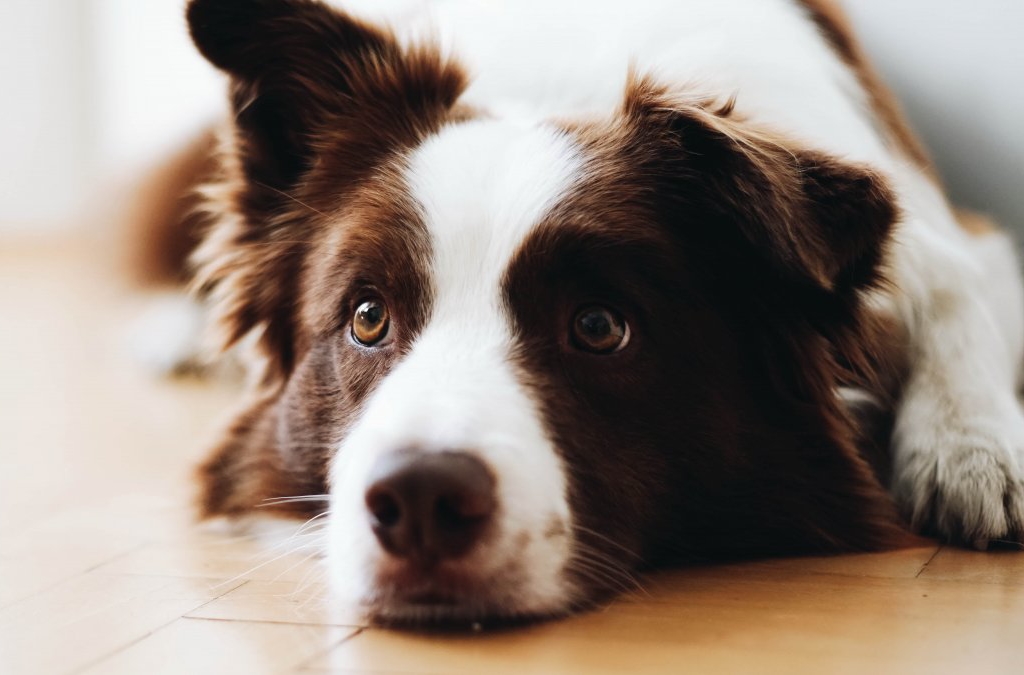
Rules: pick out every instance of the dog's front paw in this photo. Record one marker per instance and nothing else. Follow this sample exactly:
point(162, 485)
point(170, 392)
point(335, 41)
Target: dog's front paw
point(965, 486)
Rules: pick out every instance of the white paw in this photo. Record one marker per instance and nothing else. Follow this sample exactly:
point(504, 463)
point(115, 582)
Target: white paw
point(961, 483)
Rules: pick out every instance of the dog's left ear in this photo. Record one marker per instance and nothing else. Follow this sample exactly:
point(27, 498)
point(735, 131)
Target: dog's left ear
point(814, 219)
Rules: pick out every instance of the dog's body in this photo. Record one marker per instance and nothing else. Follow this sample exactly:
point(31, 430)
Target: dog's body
point(548, 292)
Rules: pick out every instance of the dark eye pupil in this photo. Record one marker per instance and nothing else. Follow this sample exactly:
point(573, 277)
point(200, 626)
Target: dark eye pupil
point(596, 324)
point(371, 313)
point(599, 330)
point(370, 322)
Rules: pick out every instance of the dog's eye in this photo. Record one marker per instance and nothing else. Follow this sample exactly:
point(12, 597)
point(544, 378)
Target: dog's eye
point(370, 323)
point(599, 330)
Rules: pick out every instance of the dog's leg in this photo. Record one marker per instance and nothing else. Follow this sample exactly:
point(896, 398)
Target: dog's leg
point(958, 455)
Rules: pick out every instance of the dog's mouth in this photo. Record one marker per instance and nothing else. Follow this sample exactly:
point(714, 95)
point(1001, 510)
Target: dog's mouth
point(446, 596)
point(432, 610)
point(437, 611)
point(432, 541)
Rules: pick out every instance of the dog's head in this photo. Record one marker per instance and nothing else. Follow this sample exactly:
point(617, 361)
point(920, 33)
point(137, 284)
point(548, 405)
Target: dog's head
point(526, 358)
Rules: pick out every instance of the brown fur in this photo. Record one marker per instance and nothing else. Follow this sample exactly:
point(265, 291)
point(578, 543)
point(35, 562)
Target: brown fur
point(246, 470)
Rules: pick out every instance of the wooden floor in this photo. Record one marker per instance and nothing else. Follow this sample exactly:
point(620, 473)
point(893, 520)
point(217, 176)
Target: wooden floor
point(101, 570)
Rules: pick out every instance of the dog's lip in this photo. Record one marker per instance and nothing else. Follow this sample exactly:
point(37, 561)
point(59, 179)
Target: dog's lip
point(451, 577)
point(444, 595)
point(407, 584)
point(441, 612)
point(430, 597)
point(424, 607)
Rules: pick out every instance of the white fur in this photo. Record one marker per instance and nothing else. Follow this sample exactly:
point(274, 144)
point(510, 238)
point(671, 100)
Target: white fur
point(482, 187)
point(544, 58)
point(959, 438)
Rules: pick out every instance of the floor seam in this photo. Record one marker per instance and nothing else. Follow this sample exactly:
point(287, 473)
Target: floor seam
point(277, 622)
point(312, 657)
point(927, 562)
point(129, 645)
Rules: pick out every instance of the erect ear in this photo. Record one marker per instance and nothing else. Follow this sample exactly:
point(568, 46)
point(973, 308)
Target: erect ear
point(815, 219)
point(305, 76)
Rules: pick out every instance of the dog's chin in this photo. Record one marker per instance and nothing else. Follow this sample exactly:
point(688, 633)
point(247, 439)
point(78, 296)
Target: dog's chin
point(454, 601)
point(437, 612)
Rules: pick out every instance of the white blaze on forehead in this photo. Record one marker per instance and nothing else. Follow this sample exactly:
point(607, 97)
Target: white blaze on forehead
point(482, 187)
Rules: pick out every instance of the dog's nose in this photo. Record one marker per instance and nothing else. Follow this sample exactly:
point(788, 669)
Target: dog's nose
point(426, 507)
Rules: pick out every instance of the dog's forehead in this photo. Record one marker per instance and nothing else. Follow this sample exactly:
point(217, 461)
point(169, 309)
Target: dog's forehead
point(482, 187)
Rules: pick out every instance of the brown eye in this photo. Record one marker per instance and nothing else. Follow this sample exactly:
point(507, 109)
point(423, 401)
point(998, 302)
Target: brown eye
point(599, 330)
point(370, 322)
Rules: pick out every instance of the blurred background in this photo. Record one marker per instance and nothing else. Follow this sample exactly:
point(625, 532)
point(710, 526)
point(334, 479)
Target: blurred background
point(94, 90)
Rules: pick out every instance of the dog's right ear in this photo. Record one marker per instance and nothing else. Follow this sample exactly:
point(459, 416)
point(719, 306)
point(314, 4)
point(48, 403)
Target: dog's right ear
point(305, 76)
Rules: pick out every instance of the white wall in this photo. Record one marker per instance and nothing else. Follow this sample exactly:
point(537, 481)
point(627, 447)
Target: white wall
point(152, 86)
point(92, 89)
point(44, 116)
point(958, 68)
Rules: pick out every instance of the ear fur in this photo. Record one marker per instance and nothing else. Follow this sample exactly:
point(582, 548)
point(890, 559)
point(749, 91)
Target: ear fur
point(301, 70)
point(815, 219)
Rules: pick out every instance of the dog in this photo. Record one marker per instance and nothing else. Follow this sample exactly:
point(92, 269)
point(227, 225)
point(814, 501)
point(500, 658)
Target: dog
point(544, 294)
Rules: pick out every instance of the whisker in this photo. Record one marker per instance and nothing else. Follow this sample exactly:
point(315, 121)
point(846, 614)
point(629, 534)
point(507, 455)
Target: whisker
point(312, 523)
point(271, 501)
point(316, 546)
point(301, 531)
point(605, 538)
point(316, 574)
point(606, 565)
point(274, 242)
point(604, 578)
point(243, 575)
point(288, 547)
point(596, 560)
point(288, 196)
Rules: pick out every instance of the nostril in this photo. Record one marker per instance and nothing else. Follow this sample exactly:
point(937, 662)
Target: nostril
point(384, 508)
point(446, 514)
point(455, 513)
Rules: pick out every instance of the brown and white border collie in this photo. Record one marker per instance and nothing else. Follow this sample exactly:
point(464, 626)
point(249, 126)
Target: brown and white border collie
point(549, 292)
